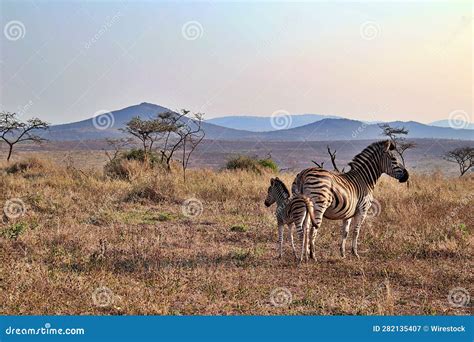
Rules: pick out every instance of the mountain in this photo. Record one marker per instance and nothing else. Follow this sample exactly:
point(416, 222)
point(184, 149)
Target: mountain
point(345, 129)
point(446, 123)
point(266, 124)
point(107, 126)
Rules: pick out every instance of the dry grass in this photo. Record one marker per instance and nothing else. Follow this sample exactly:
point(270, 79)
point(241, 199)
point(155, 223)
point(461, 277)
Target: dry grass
point(82, 231)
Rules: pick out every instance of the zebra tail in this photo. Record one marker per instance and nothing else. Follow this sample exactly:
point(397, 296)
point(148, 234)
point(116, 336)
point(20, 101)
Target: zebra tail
point(310, 210)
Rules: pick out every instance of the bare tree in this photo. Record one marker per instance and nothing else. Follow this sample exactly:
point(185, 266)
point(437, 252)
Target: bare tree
point(192, 134)
point(396, 135)
point(117, 146)
point(463, 156)
point(332, 155)
point(318, 164)
point(333, 160)
point(14, 131)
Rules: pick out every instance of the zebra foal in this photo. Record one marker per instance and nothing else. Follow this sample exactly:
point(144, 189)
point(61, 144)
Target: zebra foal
point(348, 196)
point(297, 211)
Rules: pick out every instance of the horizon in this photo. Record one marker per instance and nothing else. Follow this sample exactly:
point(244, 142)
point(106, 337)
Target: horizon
point(327, 116)
point(64, 62)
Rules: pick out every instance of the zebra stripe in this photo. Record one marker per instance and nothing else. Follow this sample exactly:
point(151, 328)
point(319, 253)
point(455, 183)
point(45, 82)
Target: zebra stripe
point(348, 196)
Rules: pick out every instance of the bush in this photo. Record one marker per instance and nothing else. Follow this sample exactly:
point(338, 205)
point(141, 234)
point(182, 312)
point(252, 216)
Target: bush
point(122, 166)
point(142, 192)
point(269, 164)
point(25, 165)
point(251, 164)
point(138, 154)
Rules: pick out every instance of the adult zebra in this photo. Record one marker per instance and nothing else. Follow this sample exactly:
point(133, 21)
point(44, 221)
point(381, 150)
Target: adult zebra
point(348, 196)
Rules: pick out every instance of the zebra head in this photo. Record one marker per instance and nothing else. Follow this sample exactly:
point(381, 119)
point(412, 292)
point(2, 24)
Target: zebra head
point(277, 192)
point(391, 165)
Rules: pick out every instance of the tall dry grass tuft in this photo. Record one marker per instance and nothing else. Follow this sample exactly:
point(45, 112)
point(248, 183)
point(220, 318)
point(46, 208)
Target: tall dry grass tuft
point(208, 246)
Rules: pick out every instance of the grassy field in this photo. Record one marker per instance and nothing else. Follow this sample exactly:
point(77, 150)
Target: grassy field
point(75, 242)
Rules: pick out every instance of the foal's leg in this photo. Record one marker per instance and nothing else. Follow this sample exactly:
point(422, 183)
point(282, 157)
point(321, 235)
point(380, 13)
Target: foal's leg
point(358, 220)
point(290, 227)
point(281, 227)
point(345, 232)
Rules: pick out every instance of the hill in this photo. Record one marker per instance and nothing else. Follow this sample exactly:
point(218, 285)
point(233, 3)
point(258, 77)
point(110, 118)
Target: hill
point(264, 124)
point(107, 125)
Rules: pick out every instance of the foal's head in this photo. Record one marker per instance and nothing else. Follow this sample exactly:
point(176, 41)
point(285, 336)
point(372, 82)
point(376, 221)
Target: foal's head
point(277, 191)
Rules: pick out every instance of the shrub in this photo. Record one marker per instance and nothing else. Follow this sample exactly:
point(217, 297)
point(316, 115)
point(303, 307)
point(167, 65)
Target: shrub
point(142, 192)
point(269, 164)
point(138, 154)
point(25, 165)
point(251, 164)
point(122, 166)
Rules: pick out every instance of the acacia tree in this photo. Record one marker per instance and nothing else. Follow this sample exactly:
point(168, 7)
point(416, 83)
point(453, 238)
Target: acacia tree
point(397, 137)
point(169, 133)
point(186, 136)
point(14, 131)
point(191, 135)
point(463, 156)
point(117, 146)
point(147, 132)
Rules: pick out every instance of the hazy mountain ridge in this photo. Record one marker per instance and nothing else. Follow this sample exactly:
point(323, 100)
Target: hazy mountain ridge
point(108, 124)
point(266, 124)
point(448, 123)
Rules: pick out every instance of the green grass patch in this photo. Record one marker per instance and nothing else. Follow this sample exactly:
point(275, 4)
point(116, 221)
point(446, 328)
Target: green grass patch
point(13, 231)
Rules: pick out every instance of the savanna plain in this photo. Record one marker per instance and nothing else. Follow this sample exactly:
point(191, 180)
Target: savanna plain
point(85, 243)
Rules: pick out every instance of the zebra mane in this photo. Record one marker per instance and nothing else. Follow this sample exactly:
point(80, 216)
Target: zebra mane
point(371, 152)
point(282, 185)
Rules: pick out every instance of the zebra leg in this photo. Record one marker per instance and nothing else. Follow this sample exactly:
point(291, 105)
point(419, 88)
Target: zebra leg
point(345, 232)
point(280, 239)
point(290, 226)
point(313, 227)
point(358, 220)
point(312, 251)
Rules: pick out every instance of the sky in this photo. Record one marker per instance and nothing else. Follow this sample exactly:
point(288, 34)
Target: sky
point(66, 61)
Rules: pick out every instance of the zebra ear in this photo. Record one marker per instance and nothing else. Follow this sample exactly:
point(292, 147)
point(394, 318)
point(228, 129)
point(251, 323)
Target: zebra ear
point(272, 180)
point(388, 146)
